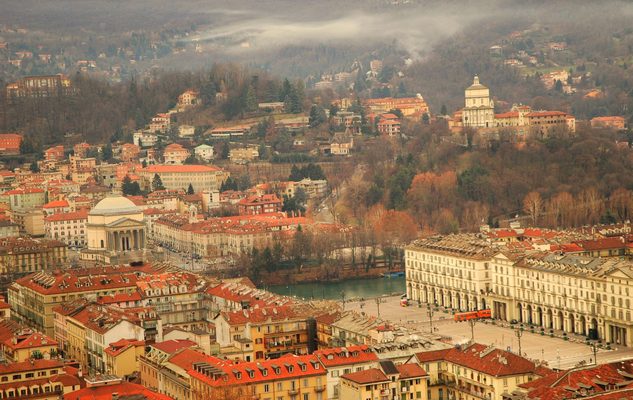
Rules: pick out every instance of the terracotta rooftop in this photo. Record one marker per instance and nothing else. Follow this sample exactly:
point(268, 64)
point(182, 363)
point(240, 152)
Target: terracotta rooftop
point(123, 389)
point(488, 360)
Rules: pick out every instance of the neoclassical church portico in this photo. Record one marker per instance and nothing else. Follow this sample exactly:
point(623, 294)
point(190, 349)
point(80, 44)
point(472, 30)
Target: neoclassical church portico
point(115, 232)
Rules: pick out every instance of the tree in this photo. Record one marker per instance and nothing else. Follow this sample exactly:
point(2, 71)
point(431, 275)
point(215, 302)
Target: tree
point(106, 152)
point(226, 151)
point(334, 109)
point(34, 167)
point(558, 85)
point(533, 206)
point(317, 116)
point(443, 110)
point(192, 159)
point(190, 189)
point(157, 183)
point(130, 188)
point(228, 184)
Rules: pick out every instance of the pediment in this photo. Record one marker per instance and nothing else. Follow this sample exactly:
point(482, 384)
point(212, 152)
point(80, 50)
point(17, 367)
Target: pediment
point(125, 223)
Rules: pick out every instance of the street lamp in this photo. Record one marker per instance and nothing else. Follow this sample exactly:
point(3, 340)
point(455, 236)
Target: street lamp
point(519, 332)
point(430, 311)
point(472, 323)
point(594, 347)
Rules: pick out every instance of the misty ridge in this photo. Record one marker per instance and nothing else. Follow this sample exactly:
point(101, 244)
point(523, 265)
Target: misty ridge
point(282, 35)
point(243, 25)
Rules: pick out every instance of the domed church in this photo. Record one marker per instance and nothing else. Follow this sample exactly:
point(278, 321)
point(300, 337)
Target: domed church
point(115, 232)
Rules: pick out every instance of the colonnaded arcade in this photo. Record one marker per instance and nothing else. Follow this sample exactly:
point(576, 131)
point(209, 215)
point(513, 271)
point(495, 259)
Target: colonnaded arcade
point(575, 294)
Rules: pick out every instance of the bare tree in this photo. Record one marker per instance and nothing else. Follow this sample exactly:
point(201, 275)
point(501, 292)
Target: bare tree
point(533, 206)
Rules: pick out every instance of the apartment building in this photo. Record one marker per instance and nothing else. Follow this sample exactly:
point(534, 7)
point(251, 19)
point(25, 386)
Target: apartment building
point(28, 344)
point(67, 227)
point(270, 332)
point(340, 361)
point(288, 378)
point(545, 289)
point(22, 255)
point(91, 330)
point(475, 372)
point(33, 297)
point(178, 177)
point(388, 381)
point(36, 379)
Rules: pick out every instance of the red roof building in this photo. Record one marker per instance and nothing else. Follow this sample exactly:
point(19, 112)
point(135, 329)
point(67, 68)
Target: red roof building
point(55, 153)
point(264, 204)
point(10, 143)
point(612, 122)
point(606, 381)
point(120, 390)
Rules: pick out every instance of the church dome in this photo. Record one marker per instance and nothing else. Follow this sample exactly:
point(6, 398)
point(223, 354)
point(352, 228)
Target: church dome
point(476, 84)
point(115, 206)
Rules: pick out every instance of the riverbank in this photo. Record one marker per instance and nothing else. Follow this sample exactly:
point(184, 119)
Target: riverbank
point(324, 273)
point(346, 289)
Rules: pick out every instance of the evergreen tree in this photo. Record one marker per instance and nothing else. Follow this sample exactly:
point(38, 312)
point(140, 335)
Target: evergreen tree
point(130, 188)
point(190, 189)
point(106, 153)
point(157, 183)
point(558, 85)
point(317, 116)
point(333, 110)
point(295, 174)
point(250, 99)
point(226, 151)
point(443, 110)
point(34, 167)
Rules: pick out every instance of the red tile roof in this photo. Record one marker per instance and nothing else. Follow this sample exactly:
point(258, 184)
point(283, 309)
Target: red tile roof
point(368, 376)
point(29, 365)
point(20, 191)
point(185, 358)
point(286, 367)
point(602, 244)
point(478, 357)
point(121, 345)
point(410, 371)
point(124, 389)
point(594, 379)
point(119, 298)
point(180, 169)
point(259, 315)
point(346, 355)
point(69, 216)
point(536, 114)
point(172, 346)
point(47, 283)
point(35, 339)
point(56, 204)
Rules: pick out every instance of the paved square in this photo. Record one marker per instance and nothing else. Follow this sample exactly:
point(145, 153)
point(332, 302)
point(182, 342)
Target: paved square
point(558, 353)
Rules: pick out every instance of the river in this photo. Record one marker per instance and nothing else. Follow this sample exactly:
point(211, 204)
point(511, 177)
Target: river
point(365, 288)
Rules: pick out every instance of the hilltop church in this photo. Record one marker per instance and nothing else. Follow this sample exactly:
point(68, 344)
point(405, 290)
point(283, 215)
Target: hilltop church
point(479, 114)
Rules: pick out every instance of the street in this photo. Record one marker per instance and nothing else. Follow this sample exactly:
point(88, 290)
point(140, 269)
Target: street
point(558, 353)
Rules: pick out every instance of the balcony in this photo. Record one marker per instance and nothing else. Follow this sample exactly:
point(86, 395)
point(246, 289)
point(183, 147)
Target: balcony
point(320, 388)
point(479, 395)
point(293, 392)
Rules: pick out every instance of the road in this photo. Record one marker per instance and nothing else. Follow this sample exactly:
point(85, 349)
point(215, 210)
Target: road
point(558, 353)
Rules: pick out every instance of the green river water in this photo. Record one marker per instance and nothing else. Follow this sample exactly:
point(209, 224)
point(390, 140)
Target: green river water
point(357, 288)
